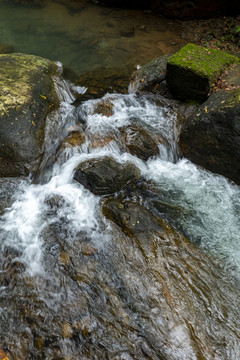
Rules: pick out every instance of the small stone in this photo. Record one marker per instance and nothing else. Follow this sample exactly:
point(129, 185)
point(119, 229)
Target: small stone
point(67, 330)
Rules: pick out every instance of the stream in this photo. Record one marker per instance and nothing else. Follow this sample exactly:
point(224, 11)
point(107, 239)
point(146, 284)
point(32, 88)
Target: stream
point(74, 284)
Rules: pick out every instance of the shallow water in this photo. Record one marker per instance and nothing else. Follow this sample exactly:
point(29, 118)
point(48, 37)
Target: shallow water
point(93, 37)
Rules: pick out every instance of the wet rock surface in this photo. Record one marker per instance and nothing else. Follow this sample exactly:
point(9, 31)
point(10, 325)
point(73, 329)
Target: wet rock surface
point(105, 175)
point(217, 124)
point(151, 76)
point(27, 96)
point(139, 142)
point(96, 301)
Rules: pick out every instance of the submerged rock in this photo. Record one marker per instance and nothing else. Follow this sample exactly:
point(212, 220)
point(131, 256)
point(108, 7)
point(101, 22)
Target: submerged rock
point(104, 107)
point(27, 95)
point(75, 138)
point(31, 3)
point(192, 71)
point(211, 137)
point(139, 142)
point(105, 80)
point(105, 175)
point(74, 6)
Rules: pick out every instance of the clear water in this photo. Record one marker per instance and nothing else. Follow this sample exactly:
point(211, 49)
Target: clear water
point(87, 39)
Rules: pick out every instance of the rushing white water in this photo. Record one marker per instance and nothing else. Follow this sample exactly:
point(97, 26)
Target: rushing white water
point(211, 202)
point(210, 205)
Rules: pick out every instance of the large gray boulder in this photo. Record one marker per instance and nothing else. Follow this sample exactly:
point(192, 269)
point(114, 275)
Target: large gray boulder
point(27, 95)
point(211, 137)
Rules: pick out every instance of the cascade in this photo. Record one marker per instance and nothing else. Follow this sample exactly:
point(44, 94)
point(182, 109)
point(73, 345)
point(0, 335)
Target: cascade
point(72, 284)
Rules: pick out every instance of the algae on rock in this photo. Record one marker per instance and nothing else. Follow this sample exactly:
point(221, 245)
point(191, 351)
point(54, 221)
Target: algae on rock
point(193, 70)
point(27, 95)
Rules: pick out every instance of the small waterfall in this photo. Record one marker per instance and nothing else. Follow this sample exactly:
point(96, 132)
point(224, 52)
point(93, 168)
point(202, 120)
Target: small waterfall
point(211, 200)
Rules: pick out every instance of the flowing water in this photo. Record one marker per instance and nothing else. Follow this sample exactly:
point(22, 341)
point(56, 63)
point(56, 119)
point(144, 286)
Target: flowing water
point(73, 285)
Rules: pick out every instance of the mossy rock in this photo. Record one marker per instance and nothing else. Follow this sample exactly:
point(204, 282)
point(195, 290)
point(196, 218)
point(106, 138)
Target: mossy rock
point(27, 95)
point(104, 107)
point(192, 71)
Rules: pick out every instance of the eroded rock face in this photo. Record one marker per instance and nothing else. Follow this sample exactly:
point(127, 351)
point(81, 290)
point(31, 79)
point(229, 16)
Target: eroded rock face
point(27, 95)
point(177, 267)
point(211, 137)
point(105, 175)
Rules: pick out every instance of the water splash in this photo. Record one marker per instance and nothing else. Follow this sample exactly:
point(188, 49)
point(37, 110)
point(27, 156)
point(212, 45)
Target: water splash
point(210, 203)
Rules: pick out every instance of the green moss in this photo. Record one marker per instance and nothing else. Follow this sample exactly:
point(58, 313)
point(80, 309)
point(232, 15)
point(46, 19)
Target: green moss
point(18, 74)
point(205, 62)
